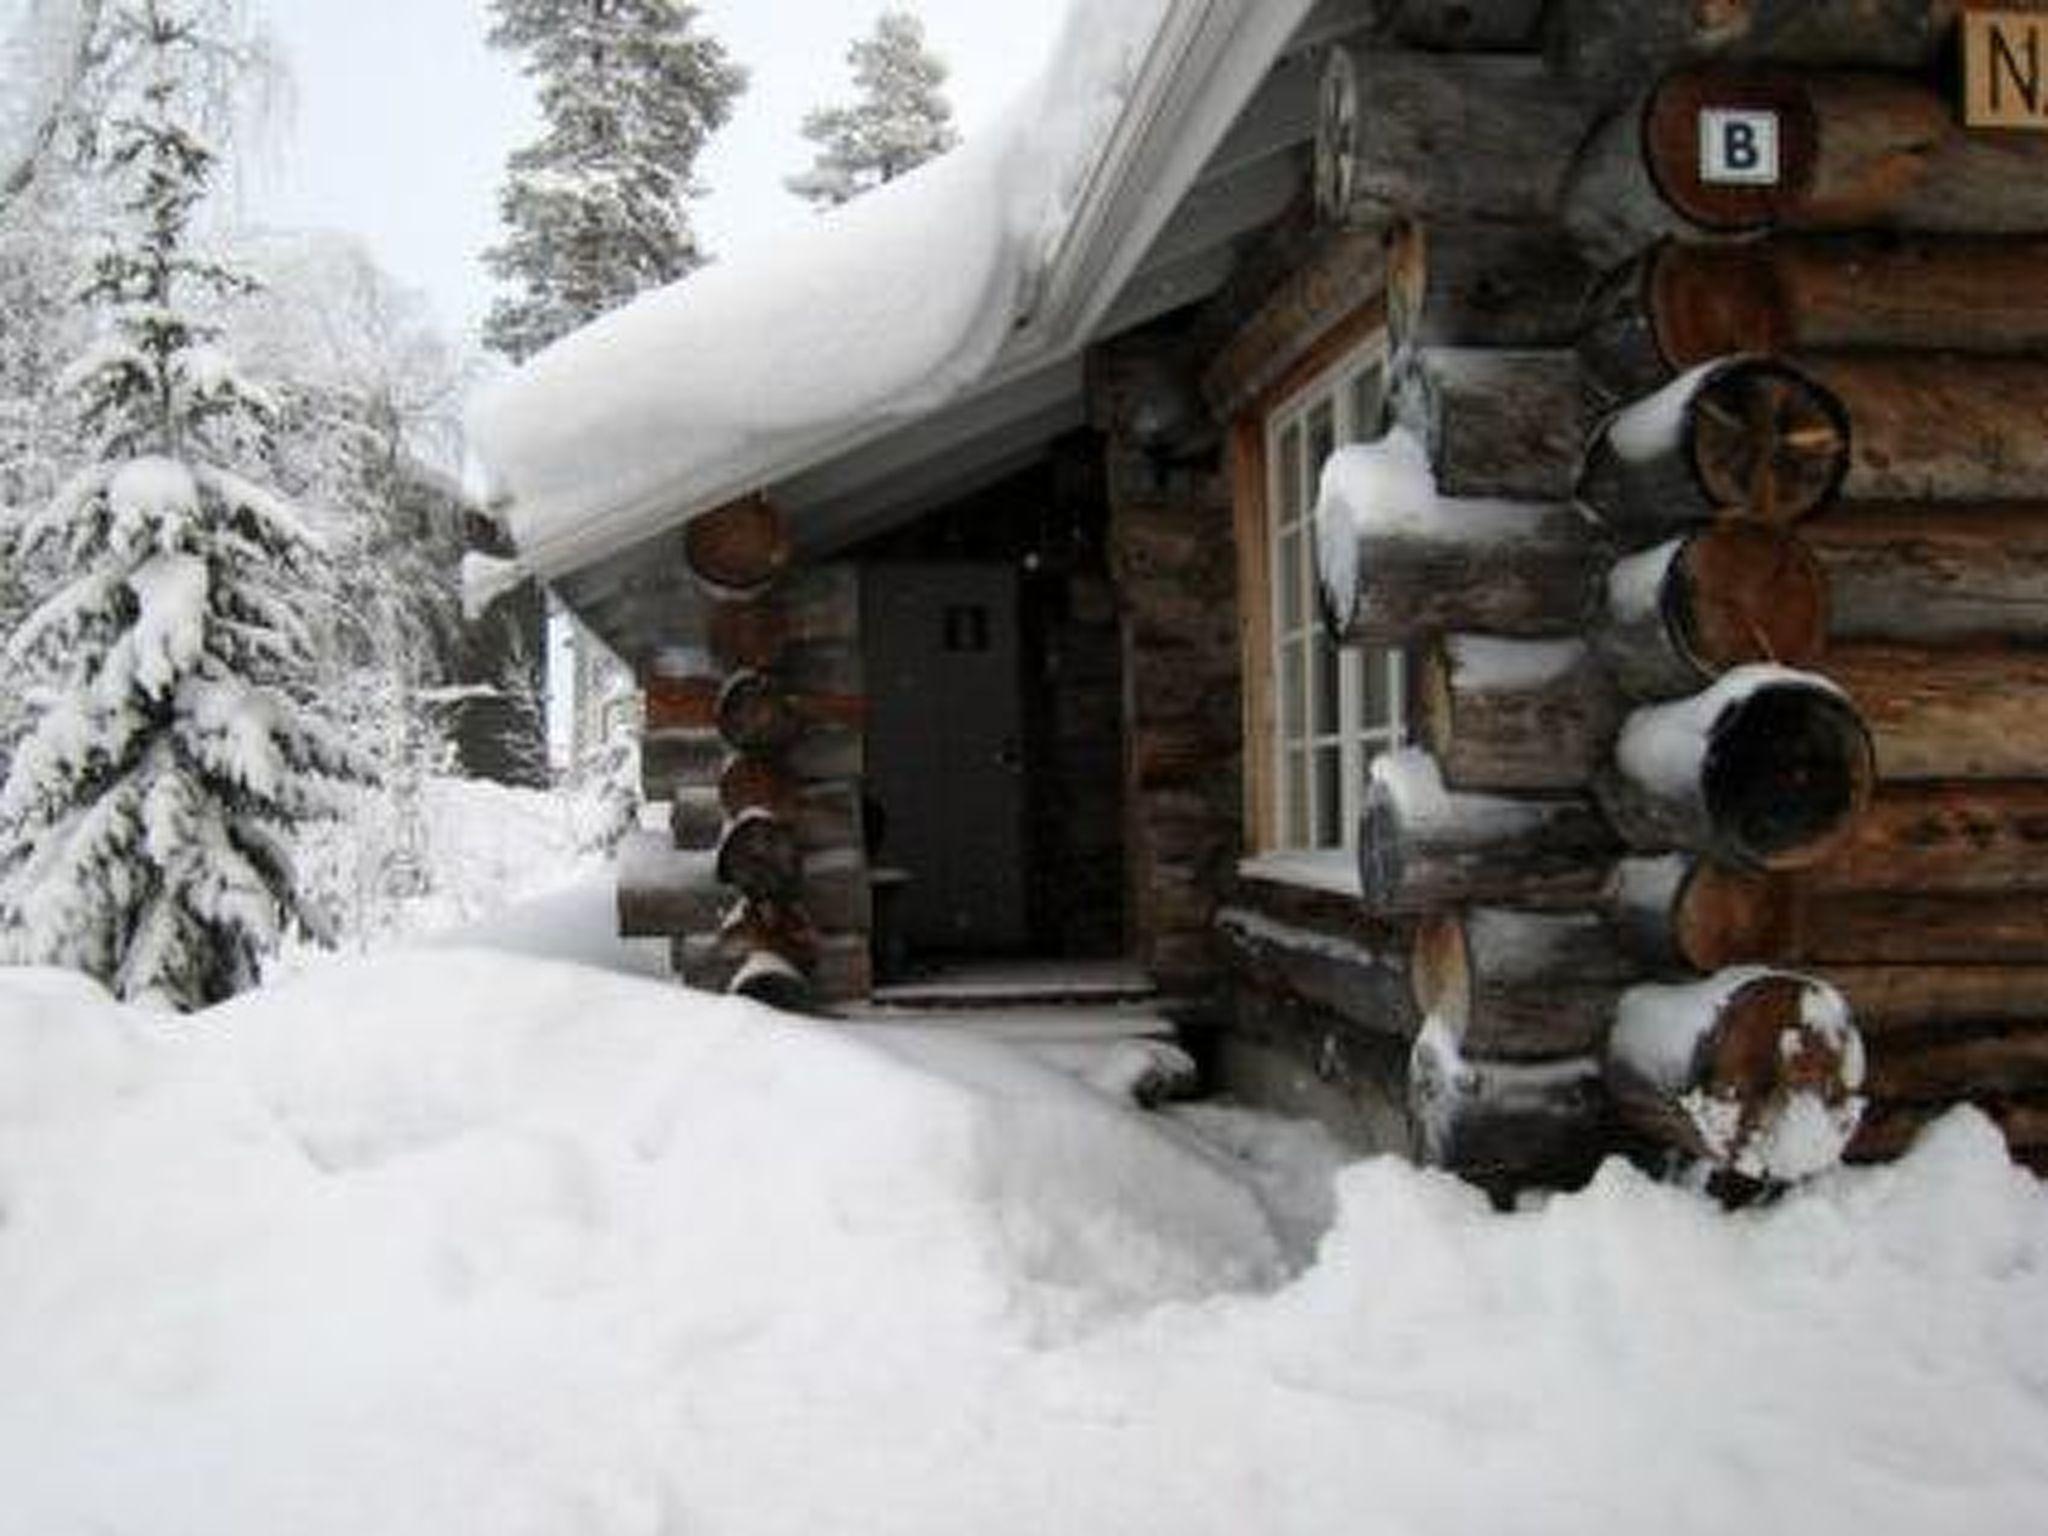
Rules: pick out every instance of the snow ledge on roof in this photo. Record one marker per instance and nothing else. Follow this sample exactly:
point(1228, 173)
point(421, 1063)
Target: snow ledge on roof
point(782, 354)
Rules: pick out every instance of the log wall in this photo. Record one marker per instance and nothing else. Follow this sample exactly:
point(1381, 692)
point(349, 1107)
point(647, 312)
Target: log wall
point(754, 743)
point(1780, 696)
point(1174, 563)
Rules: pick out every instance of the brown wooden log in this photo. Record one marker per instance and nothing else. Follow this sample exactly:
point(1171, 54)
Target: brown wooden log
point(1423, 847)
point(1682, 303)
point(1705, 916)
point(1483, 285)
point(1889, 1130)
point(1335, 972)
point(680, 702)
point(1743, 437)
point(696, 820)
point(2007, 1062)
point(1982, 836)
point(1165, 756)
point(1940, 427)
point(1965, 713)
point(1399, 562)
point(1757, 1072)
point(1607, 47)
point(836, 892)
point(1505, 1125)
point(759, 856)
point(739, 549)
point(757, 713)
point(820, 603)
point(826, 816)
point(782, 928)
point(1452, 137)
point(1934, 574)
point(1925, 1000)
point(748, 783)
point(1856, 151)
point(1681, 614)
point(1517, 985)
point(1450, 24)
point(663, 891)
point(1516, 715)
point(671, 757)
point(1768, 769)
point(1496, 423)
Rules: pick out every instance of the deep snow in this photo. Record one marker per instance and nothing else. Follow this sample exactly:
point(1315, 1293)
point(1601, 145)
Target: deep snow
point(454, 1241)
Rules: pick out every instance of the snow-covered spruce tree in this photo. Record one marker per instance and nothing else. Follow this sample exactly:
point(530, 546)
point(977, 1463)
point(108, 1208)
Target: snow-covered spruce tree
point(902, 118)
point(147, 817)
point(598, 206)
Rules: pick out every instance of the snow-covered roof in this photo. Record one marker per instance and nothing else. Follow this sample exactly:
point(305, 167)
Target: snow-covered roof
point(968, 286)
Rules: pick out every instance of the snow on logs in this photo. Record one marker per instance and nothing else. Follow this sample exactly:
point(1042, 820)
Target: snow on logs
point(1423, 847)
point(1754, 1071)
point(1398, 560)
point(1767, 768)
point(1737, 436)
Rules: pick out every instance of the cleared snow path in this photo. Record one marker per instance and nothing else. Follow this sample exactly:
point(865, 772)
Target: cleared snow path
point(452, 1242)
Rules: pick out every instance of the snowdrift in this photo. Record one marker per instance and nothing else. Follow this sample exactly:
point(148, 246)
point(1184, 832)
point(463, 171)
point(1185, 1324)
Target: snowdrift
point(455, 1242)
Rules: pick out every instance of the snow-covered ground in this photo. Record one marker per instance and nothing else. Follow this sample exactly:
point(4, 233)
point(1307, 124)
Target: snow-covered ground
point(453, 1241)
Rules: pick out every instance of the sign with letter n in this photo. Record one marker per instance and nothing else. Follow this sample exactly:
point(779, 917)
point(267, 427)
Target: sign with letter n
point(2003, 56)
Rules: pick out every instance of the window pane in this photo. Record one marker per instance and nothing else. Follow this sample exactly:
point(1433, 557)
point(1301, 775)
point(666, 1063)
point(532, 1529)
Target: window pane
point(1290, 474)
point(1327, 676)
point(1289, 577)
point(1322, 436)
point(1329, 798)
point(1365, 395)
point(1376, 699)
point(1297, 800)
point(1293, 691)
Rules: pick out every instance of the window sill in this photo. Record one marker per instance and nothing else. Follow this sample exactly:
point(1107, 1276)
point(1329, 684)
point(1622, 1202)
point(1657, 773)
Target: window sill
point(1326, 869)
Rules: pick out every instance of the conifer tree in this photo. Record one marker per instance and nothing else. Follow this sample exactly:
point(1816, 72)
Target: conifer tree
point(598, 206)
point(902, 118)
point(147, 816)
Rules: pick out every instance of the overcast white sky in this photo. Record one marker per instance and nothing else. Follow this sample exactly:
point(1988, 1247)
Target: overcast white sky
point(402, 119)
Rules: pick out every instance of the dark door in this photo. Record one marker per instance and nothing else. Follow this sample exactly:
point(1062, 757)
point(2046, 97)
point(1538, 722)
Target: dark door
point(945, 749)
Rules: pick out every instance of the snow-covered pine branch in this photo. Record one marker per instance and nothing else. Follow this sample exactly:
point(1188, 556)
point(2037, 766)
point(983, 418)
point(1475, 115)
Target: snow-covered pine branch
point(901, 119)
point(596, 209)
point(148, 813)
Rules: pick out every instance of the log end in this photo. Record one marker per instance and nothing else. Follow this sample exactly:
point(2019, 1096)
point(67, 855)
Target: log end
point(738, 549)
point(1745, 592)
point(1753, 1071)
point(1671, 129)
point(755, 714)
point(1787, 771)
point(1767, 440)
point(760, 855)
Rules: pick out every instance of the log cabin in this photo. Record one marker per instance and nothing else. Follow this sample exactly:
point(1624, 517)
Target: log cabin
point(1498, 550)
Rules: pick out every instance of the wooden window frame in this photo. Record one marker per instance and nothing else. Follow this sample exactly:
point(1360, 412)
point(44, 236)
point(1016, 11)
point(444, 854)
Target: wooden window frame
point(1252, 439)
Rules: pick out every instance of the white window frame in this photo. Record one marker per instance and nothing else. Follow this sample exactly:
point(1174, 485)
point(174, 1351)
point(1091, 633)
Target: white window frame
point(1312, 813)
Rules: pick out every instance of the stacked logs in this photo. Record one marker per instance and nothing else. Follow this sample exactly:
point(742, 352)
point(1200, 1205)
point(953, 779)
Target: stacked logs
point(754, 741)
point(1932, 332)
point(1816, 446)
point(1604, 688)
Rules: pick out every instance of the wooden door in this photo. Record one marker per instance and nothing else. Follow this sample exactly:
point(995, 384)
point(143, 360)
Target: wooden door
point(945, 749)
